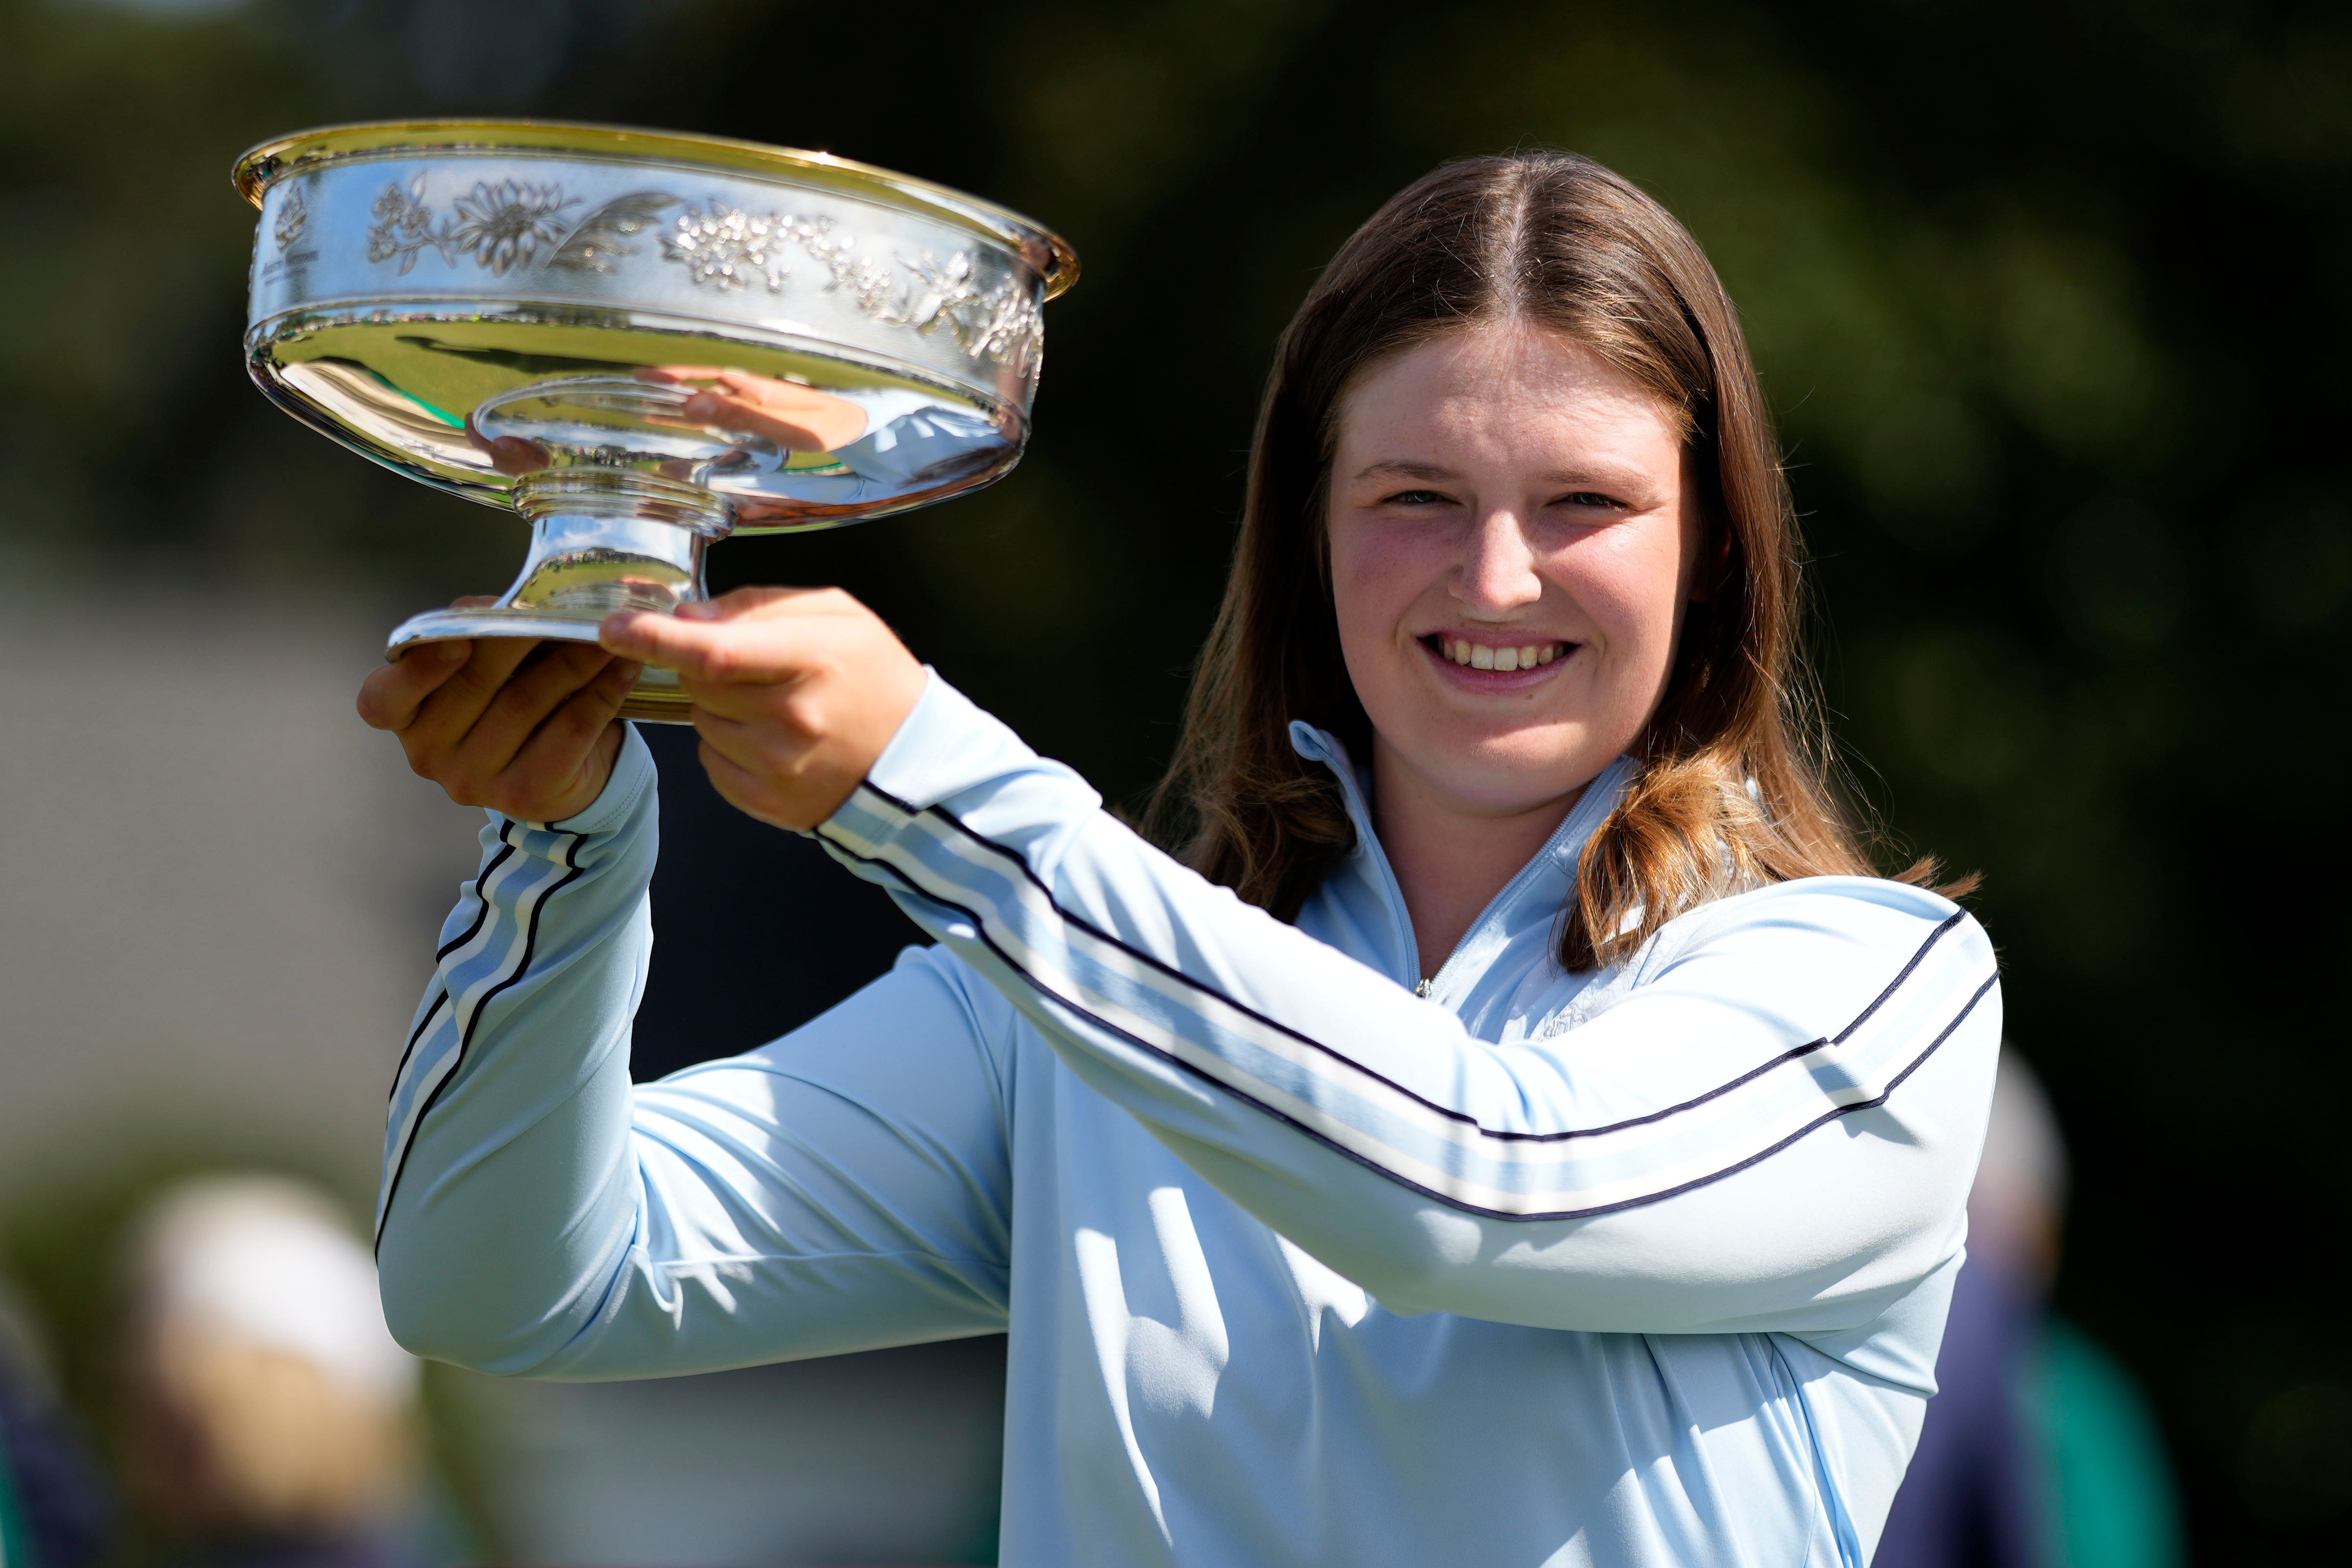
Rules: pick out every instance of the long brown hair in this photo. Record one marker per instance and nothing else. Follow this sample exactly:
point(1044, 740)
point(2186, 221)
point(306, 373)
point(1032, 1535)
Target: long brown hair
point(1733, 789)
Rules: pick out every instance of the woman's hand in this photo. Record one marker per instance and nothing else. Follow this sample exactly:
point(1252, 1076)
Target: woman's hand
point(526, 729)
point(795, 693)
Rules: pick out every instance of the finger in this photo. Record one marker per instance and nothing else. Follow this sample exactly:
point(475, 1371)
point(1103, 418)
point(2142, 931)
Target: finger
point(558, 750)
point(746, 790)
point(449, 714)
point(784, 766)
point(762, 651)
point(741, 604)
point(473, 601)
point(765, 704)
point(797, 795)
point(761, 749)
point(628, 632)
point(526, 701)
point(394, 690)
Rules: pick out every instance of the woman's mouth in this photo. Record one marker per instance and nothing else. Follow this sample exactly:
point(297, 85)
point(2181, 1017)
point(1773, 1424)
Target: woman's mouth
point(1501, 658)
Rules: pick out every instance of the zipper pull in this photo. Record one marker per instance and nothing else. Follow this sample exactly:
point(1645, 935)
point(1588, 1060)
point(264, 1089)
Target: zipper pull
point(1422, 989)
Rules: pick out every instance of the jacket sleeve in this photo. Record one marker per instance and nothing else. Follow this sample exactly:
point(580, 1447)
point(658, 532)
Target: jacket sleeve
point(843, 1188)
point(1773, 1127)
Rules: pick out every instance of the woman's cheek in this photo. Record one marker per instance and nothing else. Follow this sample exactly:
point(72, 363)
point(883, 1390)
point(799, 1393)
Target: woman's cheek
point(1634, 610)
point(1377, 574)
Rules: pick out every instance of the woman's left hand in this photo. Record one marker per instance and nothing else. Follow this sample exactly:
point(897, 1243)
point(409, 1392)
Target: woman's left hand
point(795, 691)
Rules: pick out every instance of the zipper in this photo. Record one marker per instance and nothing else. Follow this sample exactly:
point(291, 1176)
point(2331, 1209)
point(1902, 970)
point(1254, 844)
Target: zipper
point(1427, 984)
point(1535, 864)
point(1510, 889)
point(1360, 813)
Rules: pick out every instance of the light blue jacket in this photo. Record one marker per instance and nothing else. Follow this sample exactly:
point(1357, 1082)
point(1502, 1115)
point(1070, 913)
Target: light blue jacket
point(1642, 1267)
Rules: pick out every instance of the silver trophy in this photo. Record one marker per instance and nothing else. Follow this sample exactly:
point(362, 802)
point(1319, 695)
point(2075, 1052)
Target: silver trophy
point(642, 341)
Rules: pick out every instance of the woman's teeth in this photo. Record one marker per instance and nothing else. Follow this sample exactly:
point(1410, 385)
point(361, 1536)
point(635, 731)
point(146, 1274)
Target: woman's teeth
point(1478, 656)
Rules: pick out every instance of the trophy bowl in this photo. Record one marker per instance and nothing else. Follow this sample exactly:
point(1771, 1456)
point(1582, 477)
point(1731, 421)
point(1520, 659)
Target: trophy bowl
point(640, 340)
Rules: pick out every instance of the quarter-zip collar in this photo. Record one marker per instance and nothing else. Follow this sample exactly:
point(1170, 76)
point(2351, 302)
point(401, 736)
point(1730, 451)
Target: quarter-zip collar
point(1362, 910)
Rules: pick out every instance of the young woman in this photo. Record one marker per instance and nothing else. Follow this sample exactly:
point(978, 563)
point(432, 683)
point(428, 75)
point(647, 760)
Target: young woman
point(1519, 1128)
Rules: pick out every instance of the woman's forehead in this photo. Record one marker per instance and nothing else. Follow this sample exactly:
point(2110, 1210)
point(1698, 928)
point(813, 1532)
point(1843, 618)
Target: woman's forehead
point(1506, 385)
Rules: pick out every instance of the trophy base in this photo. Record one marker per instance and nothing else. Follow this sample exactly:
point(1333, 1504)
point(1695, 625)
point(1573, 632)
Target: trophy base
point(601, 542)
point(655, 699)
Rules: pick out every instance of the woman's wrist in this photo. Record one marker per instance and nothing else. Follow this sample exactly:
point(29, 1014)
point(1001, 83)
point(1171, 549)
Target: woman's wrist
point(631, 778)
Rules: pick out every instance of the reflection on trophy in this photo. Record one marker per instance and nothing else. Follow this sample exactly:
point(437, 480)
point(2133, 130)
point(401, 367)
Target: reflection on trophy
point(642, 341)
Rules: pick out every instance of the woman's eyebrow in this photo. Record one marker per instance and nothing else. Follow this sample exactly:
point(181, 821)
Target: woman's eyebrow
point(1407, 470)
point(1599, 477)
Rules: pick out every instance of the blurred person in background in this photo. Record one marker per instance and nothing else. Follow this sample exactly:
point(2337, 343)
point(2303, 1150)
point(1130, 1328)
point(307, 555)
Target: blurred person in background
point(272, 1421)
point(53, 1511)
point(2039, 1449)
point(1519, 1128)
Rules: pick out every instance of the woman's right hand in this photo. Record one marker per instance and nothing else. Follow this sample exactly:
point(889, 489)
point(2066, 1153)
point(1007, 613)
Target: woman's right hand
point(526, 729)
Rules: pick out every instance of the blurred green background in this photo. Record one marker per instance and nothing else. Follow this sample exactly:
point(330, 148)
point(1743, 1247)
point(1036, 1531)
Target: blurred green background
point(2051, 301)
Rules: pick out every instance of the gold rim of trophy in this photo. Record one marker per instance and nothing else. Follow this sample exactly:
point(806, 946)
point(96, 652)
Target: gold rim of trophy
point(1048, 252)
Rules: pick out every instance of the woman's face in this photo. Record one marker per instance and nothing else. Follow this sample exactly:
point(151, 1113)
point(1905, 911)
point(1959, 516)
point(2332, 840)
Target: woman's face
point(1513, 542)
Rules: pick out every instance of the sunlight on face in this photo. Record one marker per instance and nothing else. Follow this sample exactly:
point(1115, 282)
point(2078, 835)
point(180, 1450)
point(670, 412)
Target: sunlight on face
point(1512, 547)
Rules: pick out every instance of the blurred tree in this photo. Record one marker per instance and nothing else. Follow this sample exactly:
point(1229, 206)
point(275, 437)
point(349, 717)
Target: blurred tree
point(2048, 297)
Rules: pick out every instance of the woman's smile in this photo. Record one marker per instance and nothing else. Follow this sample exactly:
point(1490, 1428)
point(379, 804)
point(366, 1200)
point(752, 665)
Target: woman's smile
point(1496, 661)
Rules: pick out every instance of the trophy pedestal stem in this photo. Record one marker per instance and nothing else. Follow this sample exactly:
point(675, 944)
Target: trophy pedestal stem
point(602, 540)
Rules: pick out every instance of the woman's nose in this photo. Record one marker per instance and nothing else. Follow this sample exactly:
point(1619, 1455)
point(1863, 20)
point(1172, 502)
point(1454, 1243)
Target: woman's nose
point(1498, 566)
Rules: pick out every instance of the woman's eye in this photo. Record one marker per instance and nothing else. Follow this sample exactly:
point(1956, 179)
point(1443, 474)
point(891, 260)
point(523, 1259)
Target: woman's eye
point(1414, 497)
point(1590, 499)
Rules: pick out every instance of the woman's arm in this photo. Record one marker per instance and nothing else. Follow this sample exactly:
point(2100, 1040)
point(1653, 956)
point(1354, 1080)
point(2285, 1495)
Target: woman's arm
point(843, 1188)
point(1774, 1128)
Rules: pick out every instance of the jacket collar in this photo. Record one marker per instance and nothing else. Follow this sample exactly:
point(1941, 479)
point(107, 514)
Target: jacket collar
point(1532, 899)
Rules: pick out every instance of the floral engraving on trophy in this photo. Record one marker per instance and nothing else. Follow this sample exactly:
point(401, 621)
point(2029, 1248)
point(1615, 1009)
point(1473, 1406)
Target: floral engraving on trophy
point(403, 226)
point(510, 225)
point(726, 248)
point(1002, 324)
point(868, 278)
point(503, 225)
point(500, 226)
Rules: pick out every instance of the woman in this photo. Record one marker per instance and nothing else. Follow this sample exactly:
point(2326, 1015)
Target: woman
point(1520, 1129)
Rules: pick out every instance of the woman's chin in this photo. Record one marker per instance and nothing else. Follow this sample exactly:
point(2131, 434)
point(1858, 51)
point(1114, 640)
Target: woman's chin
point(1508, 773)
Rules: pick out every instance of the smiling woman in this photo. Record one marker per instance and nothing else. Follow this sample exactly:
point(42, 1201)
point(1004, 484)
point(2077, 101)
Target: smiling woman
point(1557, 1152)
point(1520, 400)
